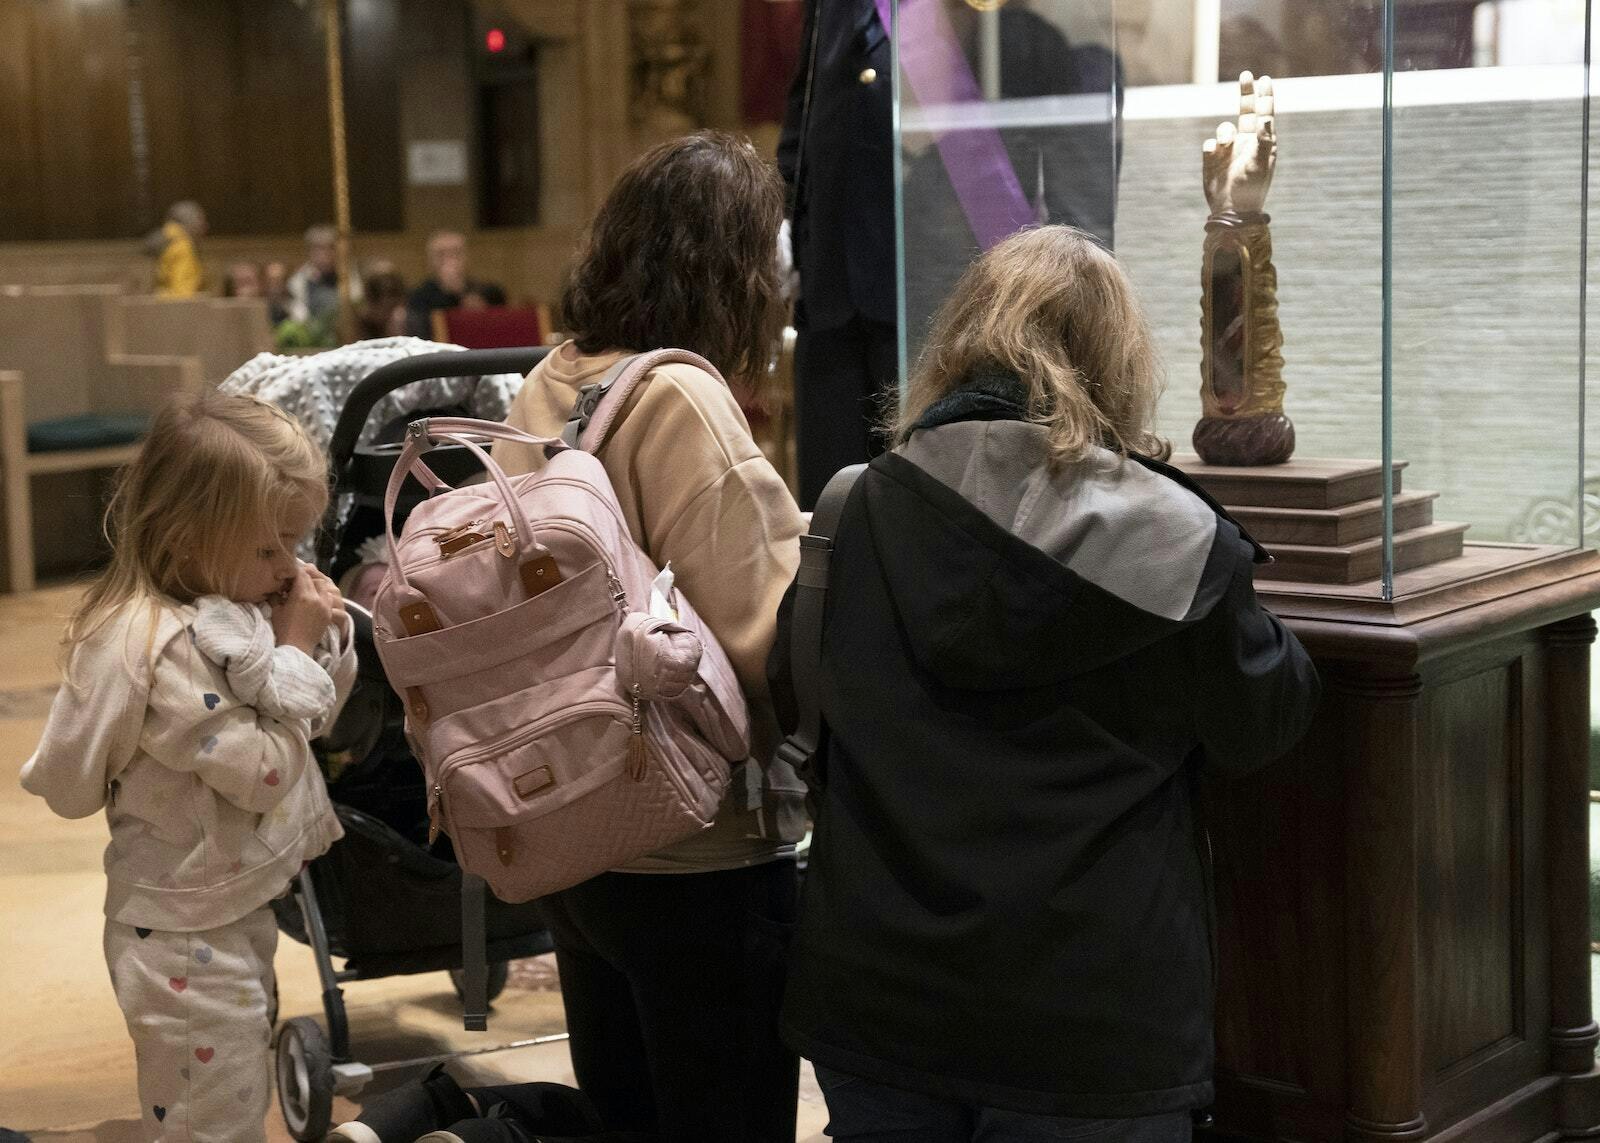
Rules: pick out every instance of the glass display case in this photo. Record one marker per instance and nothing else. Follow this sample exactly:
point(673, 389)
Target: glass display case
point(1402, 902)
point(1426, 223)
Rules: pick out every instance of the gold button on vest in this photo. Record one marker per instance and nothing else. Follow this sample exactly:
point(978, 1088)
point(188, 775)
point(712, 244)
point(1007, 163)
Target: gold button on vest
point(870, 75)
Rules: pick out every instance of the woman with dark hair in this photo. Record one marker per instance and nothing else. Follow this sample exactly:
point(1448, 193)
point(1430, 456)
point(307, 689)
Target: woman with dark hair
point(672, 968)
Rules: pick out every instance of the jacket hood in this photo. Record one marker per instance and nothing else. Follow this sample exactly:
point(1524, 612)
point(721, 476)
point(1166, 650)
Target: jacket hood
point(1005, 575)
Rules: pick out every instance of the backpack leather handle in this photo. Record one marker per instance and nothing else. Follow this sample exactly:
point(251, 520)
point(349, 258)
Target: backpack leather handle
point(441, 427)
point(421, 435)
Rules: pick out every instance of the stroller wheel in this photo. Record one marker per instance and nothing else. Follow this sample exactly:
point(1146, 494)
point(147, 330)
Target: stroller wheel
point(305, 1079)
point(499, 973)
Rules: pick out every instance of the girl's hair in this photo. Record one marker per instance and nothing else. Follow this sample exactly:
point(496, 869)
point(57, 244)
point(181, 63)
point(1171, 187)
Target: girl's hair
point(1053, 307)
point(214, 473)
point(684, 254)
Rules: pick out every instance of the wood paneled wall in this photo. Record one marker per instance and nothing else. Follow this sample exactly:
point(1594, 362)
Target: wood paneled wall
point(374, 60)
point(232, 98)
point(66, 160)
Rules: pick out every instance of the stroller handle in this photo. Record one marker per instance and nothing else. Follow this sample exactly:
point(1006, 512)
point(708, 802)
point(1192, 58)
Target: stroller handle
point(385, 380)
point(424, 367)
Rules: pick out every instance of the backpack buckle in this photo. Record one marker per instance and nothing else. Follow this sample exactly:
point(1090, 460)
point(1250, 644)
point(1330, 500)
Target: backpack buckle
point(589, 398)
point(798, 756)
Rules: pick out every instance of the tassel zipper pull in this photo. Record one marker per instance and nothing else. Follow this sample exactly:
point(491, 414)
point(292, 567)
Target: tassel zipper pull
point(637, 755)
point(433, 815)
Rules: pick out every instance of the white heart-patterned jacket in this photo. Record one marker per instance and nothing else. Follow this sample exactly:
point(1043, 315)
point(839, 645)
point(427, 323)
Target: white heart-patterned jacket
point(192, 730)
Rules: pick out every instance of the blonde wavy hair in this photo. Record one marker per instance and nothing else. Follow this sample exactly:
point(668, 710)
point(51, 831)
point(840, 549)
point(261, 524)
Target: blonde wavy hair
point(213, 474)
point(1053, 307)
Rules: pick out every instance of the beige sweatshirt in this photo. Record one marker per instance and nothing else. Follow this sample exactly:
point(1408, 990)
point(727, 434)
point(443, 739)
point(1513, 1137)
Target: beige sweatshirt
point(214, 801)
point(697, 492)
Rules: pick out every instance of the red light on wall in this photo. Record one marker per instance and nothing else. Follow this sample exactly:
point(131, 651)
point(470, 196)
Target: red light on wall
point(495, 41)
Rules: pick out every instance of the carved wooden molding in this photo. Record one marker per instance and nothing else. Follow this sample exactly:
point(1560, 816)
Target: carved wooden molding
point(1579, 631)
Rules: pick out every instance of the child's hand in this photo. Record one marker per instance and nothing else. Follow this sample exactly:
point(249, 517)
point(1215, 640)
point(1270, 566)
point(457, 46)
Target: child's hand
point(300, 620)
point(330, 592)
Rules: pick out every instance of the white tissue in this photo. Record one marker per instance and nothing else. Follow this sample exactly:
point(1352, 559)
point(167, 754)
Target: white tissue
point(661, 596)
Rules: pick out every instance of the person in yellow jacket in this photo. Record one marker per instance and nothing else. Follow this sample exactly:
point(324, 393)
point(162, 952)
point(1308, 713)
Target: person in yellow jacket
point(178, 270)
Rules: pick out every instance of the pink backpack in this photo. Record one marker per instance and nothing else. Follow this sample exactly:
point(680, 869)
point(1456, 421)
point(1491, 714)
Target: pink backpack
point(563, 729)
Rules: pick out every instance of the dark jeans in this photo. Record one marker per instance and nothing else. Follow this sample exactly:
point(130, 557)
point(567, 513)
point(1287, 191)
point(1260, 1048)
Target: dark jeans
point(842, 377)
point(672, 984)
point(861, 1111)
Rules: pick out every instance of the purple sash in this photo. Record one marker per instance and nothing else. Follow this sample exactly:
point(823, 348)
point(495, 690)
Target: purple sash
point(975, 158)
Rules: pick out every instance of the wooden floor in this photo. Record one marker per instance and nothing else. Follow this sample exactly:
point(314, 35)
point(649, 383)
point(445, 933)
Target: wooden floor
point(66, 1066)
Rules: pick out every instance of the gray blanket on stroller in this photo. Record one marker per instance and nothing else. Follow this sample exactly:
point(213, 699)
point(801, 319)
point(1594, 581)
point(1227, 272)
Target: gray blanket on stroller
point(313, 389)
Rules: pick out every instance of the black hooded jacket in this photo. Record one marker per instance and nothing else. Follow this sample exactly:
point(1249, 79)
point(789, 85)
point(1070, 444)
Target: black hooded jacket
point(1006, 902)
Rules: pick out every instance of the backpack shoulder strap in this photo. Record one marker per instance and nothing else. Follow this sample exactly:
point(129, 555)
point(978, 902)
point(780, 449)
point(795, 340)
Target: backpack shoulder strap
point(805, 634)
point(600, 404)
point(474, 954)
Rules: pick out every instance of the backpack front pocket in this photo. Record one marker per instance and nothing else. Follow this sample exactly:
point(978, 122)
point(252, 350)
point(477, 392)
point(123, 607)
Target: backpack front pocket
point(535, 769)
point(499, 800)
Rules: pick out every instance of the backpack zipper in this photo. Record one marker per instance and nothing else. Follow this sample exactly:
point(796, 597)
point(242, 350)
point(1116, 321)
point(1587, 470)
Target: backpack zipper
point(439, 556)
point(636, 748)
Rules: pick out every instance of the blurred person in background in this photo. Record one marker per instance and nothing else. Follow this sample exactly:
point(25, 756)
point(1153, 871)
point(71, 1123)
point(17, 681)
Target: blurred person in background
point(243, 280)
point(178, 270)
point(314, 287)
point(275, 288)
point(382, 312)
point(448, 285)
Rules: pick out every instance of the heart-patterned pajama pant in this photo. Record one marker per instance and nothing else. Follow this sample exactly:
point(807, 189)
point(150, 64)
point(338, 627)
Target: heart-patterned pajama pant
point(196, 1006)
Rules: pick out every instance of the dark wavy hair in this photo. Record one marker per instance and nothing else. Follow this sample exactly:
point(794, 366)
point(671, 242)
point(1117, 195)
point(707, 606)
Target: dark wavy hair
point(683, 254)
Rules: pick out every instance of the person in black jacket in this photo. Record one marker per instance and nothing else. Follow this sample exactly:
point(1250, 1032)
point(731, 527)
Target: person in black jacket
point(1036, 636)
point(1067, 169)
point(836, 154)
point(447, 285)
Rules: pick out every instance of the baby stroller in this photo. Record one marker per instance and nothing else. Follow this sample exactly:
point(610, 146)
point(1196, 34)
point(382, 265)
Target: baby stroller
point(382, 898)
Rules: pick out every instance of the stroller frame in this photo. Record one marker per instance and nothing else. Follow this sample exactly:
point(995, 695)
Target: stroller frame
point(312, 1066)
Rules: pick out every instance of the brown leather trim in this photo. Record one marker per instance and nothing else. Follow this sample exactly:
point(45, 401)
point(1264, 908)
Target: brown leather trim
point(540, 575)
point(531, 783)
point(420, 618)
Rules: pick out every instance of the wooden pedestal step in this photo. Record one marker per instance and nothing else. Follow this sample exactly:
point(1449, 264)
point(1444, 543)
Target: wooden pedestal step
point(1333, 527)
point(1316, 484)
point(1322, 520)
point(1418, 547)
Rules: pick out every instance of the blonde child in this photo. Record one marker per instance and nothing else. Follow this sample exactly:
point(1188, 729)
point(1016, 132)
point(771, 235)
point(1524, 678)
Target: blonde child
point(199, 668)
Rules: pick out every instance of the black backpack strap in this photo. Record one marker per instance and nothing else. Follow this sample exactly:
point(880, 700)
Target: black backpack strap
point(805, 633)
point(474, 954)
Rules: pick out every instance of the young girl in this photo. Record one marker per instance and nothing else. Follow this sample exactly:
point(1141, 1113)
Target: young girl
point(199, 668)
point(1036, 635)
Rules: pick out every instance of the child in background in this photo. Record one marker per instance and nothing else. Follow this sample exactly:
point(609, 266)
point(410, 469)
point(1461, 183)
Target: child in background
point(200, 666)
